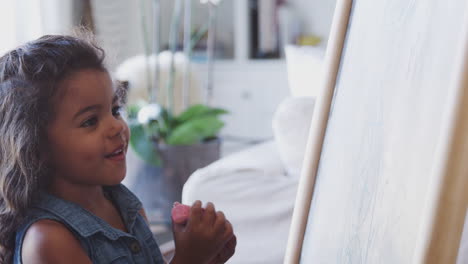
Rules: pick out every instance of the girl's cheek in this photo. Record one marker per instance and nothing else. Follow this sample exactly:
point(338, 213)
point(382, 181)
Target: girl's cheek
point(90, 155)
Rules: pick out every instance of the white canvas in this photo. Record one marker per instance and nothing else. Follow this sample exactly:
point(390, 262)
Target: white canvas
point(385, 173)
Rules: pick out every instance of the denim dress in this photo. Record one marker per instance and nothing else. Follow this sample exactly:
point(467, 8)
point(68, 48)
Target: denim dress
point(103, 243)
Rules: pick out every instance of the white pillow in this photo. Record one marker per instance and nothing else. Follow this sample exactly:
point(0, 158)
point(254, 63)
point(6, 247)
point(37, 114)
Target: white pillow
point(291, 124)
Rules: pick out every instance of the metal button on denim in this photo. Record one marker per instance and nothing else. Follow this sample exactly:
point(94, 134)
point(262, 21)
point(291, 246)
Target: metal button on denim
point(135, 247)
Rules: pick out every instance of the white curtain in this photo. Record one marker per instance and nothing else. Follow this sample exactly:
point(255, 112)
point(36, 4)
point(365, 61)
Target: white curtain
point(24, 20)
point(8, 25)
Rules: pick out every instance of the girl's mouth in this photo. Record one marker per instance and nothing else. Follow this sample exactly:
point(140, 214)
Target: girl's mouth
point(117, 155)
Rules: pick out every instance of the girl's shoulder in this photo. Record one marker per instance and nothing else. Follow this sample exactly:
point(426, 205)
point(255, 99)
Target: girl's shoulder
point(45, 238)
point(43, 234)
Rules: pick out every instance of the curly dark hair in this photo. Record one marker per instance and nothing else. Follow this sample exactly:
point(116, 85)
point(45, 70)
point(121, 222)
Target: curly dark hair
point(29, 77)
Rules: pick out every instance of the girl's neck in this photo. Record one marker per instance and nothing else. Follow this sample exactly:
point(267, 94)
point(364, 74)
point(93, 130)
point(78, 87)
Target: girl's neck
point(90, 197)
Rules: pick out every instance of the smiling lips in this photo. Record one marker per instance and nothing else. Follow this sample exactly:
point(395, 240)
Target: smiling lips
point(118, 154)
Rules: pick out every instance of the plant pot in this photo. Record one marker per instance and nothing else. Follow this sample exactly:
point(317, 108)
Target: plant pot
point(179, 162)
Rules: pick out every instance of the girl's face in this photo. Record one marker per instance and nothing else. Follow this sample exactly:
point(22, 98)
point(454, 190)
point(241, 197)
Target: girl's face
point(88, 137)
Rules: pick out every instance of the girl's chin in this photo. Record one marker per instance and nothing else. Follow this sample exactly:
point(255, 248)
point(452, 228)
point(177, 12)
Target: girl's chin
point(121, 177)
point(116, 177)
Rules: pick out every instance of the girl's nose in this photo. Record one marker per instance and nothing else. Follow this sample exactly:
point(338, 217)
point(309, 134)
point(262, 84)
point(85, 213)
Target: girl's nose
point(116, 129)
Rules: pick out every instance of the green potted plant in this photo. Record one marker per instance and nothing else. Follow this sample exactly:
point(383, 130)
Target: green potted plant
point(152, 125)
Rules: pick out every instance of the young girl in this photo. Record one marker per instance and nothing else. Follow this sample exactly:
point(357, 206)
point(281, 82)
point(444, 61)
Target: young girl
point(62, 158)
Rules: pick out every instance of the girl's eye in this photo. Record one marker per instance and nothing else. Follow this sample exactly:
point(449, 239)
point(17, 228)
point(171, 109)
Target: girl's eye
point(116, 111)
point(90, 122)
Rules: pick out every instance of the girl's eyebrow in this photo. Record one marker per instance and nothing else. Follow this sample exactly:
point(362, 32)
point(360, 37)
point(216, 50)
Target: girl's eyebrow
point(86, 109)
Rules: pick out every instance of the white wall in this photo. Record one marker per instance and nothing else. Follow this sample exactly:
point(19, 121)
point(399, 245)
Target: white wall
point(251, 92)
point(316, 14)
point(57, 16)
point(26, 20)
point(7, 20)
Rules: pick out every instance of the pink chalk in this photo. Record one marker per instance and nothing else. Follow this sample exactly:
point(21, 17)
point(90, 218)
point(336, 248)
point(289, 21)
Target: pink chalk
point(180, 213)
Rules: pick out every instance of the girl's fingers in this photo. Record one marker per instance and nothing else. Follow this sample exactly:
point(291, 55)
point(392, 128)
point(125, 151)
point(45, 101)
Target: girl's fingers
point(228, 251)
point(231, 247)
point(229, 231)
point(196, 212)
point(210, 214)
point(177, 228)
point(220, 224)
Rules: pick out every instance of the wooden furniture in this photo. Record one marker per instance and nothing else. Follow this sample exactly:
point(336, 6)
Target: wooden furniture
point(386, 172)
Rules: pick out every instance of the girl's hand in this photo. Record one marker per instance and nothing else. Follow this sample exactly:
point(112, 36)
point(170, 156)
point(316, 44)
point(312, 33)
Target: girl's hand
point(226, 252)
point(202, 239)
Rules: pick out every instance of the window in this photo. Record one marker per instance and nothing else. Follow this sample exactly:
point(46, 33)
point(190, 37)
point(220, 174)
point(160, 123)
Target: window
point(7, 24)
point(25, 20)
